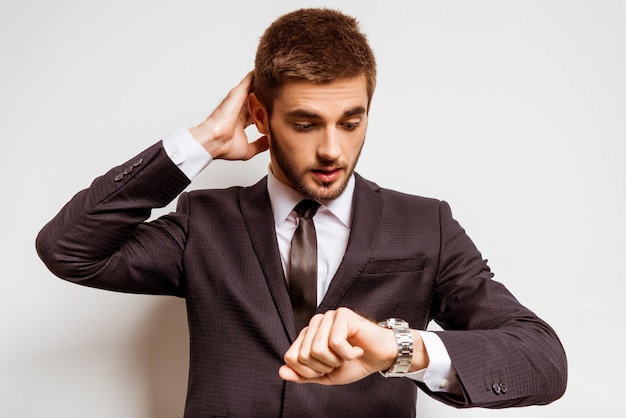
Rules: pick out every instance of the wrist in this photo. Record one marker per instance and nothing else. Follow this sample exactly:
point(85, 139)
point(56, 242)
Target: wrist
point(391, 349)
point(420, 358)
point(205, 136)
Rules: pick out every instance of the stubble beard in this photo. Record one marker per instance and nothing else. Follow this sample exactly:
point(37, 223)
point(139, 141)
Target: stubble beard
point(325, 191)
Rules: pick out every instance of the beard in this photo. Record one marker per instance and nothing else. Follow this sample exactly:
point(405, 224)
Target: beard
point(322, 190)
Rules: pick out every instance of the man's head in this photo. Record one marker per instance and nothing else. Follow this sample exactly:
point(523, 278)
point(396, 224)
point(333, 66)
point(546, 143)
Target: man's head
point(319, 45)
point(313, 84)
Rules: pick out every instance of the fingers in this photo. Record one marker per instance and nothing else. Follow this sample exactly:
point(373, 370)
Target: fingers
point(345, 325)
point(309, 355)
point(287, 373)
point(258, 146)
point(246, 82)
point(316, 351)
point(321, 348)
point(242, 90)
point(235, 101)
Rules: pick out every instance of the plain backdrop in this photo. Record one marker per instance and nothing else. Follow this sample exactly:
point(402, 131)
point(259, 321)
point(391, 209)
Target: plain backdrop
point(512, 111)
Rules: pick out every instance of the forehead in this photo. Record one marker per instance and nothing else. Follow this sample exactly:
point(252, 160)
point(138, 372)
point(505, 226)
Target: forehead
point(324, 99)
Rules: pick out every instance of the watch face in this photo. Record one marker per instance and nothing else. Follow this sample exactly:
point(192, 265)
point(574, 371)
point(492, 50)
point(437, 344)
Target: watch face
point(394, 323)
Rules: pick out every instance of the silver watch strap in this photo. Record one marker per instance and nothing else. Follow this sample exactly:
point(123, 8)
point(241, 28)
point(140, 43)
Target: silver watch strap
point(404, 338)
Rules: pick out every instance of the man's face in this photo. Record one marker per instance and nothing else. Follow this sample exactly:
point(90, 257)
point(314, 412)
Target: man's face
point(316, 132)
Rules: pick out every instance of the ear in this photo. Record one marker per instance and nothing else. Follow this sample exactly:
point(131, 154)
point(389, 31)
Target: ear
point(259, 114)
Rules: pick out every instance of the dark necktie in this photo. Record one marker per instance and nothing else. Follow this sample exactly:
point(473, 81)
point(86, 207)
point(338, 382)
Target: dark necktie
point(303, 265)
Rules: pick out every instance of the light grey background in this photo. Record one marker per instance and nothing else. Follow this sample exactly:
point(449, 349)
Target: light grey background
point(512, 111)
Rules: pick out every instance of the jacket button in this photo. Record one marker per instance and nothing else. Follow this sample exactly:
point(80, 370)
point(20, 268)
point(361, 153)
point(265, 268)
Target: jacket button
point(503, 387)
point(138, 162)
point(496, 388)
point(119, 177)
point(128, 170)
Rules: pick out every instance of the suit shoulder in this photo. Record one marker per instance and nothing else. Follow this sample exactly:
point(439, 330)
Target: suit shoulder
point(228, 199)
point(225, 193)
point(390, 195)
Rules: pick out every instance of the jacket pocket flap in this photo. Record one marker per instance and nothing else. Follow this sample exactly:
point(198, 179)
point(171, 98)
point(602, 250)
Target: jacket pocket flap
point(379, 266)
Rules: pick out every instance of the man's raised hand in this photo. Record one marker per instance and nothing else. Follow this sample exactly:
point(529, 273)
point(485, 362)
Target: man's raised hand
point(223, 134)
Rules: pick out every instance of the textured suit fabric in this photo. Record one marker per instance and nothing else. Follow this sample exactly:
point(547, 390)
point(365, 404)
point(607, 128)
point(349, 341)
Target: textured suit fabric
point(406, 257)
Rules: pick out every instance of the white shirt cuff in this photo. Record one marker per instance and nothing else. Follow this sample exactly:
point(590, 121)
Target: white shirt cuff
point(440, 375)
point(190, 157)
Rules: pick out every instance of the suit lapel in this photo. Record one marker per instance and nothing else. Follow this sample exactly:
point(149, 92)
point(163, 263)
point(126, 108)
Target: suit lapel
point(366, 216)
point(257, 214)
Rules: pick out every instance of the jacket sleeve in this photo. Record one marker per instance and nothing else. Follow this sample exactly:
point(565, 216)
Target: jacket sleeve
point(503, 353)
point(100, 238)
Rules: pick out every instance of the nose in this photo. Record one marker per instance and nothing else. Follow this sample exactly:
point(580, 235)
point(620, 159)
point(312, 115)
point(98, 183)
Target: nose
point(330, 145)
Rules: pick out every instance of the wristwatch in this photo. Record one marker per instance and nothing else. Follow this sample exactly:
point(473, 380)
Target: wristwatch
point(405, 347)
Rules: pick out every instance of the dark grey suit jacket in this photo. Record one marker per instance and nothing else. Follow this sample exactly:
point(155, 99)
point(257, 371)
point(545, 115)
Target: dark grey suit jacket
point(406, 257)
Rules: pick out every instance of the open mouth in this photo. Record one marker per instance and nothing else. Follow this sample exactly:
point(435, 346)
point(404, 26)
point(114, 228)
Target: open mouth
point(327, 174)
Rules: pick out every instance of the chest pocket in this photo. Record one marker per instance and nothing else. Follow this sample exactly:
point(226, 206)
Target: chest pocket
point(391, 266)
point(389, 288)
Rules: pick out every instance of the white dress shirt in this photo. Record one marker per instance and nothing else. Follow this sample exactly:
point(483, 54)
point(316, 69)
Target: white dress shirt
point(332, 224)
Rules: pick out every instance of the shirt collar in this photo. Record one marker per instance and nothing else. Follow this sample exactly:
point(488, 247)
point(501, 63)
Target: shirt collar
point(284, 198)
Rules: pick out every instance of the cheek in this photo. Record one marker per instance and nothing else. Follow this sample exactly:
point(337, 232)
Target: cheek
point(353, 146)
point(297, 147)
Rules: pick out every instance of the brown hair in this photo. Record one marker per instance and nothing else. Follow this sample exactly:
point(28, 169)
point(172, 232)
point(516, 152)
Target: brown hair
point(319, 45)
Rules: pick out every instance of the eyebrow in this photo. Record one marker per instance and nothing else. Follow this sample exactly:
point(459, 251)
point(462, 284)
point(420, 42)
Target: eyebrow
point(305, 114)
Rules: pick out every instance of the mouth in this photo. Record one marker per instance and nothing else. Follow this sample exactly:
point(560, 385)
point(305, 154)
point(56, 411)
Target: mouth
point(327, 174)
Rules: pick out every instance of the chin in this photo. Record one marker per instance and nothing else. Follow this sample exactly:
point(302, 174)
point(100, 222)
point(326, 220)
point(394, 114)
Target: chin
point(324, 191)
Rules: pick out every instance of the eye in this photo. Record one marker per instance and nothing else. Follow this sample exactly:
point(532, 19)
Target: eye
point(351, 126)
point(301, 127)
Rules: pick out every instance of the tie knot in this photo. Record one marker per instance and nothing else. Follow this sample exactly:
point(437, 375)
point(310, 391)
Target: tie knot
point(306, 208)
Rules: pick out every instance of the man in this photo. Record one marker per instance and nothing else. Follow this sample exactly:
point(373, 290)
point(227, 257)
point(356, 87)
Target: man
point(256, 332)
